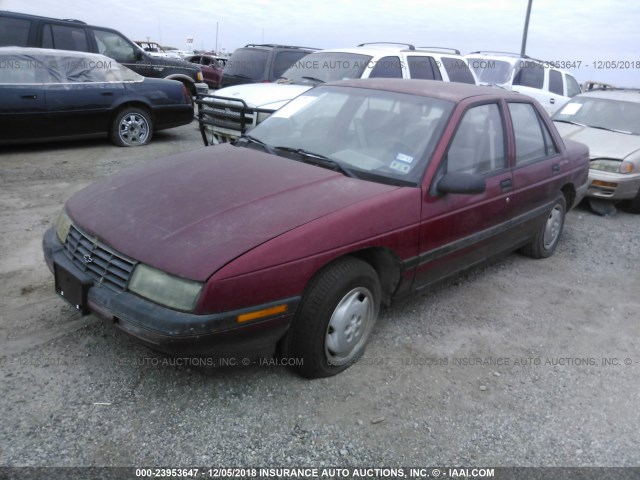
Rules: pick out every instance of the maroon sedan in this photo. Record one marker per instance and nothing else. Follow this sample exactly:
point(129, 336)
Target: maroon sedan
point(211, 67)
point(351, 195)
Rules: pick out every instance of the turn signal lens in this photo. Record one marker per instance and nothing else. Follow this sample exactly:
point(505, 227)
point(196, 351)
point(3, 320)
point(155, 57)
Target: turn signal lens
point(267, 312)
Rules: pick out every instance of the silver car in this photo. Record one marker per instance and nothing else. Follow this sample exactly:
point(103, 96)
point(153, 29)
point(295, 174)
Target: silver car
point(608, 122)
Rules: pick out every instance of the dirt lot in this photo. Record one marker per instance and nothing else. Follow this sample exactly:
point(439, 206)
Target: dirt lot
point(521, 362)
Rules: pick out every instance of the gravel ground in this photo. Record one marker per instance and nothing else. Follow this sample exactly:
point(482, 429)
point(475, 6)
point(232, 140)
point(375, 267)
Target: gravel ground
point(518, 363)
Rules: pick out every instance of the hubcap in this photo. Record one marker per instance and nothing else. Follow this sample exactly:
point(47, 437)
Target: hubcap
point(552, 229)
point(134, 129)
point(349, 326)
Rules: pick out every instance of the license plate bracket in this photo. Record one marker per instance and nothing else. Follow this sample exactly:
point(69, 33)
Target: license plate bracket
point(73, 289)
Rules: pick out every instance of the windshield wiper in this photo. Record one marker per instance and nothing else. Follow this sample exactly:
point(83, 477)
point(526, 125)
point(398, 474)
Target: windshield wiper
point(569, 121)
point(251, 139)
point(609, 129)
point(314, 79)
point(318, 160)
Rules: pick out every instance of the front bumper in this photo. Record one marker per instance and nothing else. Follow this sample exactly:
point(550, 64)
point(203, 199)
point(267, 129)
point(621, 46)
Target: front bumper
point(613, 186)
point(171, 331)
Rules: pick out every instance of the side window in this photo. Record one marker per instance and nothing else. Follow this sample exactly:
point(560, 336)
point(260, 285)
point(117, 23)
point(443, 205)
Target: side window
point(387, 67)
point(555, 82)
point(573, 88)
point(530, 75)
point(458, 70)
point(14, 32)
point(478, 144)
point(63, 37)
point(284, 60)
point(115, 46)
point(533, 140)
point(423, 68)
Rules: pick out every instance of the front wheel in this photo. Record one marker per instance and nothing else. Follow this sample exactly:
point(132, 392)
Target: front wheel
point(633, 205)
point(131, 127)
point(546, 239)
point(335, 319)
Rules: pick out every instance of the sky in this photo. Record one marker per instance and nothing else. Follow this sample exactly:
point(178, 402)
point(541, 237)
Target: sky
point(597, 40)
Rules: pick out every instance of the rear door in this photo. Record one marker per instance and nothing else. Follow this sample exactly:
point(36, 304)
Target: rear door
point(80, 103)
point(460, 230)
point(539, 169)
point(22, 98)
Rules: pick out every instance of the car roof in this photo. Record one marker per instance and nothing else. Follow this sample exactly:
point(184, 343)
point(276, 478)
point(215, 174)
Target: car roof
point(451, 91)
point(623, 95)
point(48, 52)
point(377, 49)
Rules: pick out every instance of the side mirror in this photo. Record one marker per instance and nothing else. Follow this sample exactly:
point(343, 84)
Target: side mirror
point(462, 183)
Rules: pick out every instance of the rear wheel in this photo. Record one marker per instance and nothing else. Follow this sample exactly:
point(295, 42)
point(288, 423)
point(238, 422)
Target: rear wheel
point(131, 127)
point(546, 239)
point(334, 320)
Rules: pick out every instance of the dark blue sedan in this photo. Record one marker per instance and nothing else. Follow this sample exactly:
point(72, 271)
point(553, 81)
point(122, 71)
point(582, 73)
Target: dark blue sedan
point(56, 94)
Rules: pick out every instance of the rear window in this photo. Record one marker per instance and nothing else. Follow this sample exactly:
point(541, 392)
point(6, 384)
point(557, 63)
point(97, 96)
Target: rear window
point(62, 37)
point(14, 32)
point(458, 70)
point(423, 68)
point(248, 63)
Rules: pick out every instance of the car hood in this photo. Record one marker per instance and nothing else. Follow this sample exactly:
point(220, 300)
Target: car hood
point(262, 95)
point(190, 214)
point(601, 143)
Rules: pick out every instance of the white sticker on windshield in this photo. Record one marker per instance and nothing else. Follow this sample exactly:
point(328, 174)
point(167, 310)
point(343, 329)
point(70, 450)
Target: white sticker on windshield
point(401, 167)
point(294, 106)
point(571, 109)
point(404, 158)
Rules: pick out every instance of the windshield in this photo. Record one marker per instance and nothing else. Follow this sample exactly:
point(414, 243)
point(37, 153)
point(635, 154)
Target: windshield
point(369, 134)
point(325, 67)
point(609, 114)
point(493, 72)
point(247, 63)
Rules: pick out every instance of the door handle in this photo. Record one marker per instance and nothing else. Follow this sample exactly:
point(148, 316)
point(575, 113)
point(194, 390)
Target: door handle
point(29, 97)
point(552, 101)
point(107, 94)
point(506, 185)
point(555, 168)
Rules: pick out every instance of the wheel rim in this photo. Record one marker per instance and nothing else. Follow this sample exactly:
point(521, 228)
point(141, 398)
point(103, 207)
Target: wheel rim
point(134, 129)
point(552, 229)
point(349, 326)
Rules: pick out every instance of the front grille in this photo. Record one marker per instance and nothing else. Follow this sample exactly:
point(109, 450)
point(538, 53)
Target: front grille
point(231, 115)
point(105, 266)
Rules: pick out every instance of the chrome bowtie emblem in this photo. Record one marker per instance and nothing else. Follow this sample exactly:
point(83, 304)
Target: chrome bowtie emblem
point(87, 258)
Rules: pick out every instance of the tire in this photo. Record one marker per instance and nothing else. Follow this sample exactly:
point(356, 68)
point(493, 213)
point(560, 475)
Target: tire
point(334, 319)
point(633, 205)
point(131, 127)
point(546, 239)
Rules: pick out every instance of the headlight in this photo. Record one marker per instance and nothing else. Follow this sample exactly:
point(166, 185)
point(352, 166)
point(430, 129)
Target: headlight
point(613, 166)
point(62, 226)
point(160, 287)
point(262, 116)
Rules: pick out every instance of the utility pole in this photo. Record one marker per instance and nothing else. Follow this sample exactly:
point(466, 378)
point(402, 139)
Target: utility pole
point(526, 30)
point(216, 38)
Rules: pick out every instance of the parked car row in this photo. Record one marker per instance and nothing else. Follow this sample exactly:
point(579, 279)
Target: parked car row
point(232, 110)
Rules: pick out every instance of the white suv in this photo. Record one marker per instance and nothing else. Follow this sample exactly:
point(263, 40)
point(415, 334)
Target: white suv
point(541, 80)
point(232, 110)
